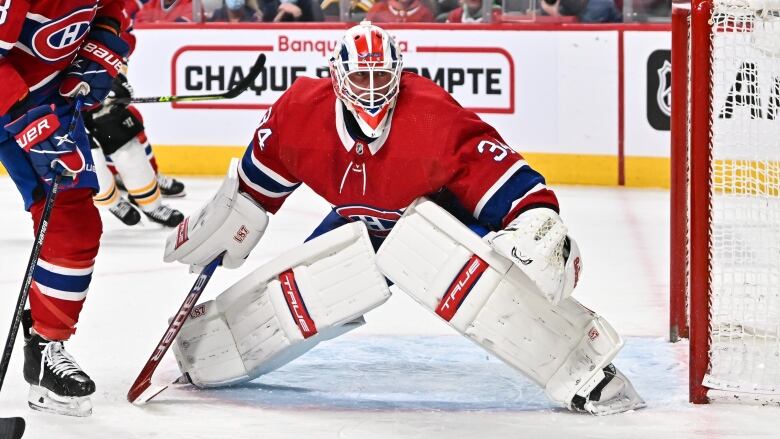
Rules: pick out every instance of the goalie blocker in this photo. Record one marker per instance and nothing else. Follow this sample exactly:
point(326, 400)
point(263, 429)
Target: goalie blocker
point(312, 293)
point(565, 348)
point(229, 222)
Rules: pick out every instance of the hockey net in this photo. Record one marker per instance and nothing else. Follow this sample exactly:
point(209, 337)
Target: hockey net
point(726, 197)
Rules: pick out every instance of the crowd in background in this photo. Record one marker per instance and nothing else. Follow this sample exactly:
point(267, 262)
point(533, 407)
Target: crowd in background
point(405, 11)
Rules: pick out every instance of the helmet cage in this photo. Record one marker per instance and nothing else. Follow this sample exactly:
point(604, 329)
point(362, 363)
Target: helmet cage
point(365, 56)
point(369, 96)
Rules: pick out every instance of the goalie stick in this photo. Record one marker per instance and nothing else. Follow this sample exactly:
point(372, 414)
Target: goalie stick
point(239, 88)
point(142, 390)
point(13, 428)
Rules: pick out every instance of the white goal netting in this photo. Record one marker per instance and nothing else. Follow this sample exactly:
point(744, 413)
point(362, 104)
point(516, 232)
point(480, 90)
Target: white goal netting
point(745, 228)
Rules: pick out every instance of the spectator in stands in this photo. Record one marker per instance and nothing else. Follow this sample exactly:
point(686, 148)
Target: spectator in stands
point(586, 11)
point(443, 8)
point(165, 11)
point(400, 11)
point(470, 11)
point(235, 11)
point(290, 10)
point(357, 9)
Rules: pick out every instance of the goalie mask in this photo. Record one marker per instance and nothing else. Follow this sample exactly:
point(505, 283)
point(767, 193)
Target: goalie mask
point(366, 72)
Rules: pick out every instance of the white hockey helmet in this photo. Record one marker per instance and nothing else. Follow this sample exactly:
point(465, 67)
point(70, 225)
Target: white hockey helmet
point(366, 72)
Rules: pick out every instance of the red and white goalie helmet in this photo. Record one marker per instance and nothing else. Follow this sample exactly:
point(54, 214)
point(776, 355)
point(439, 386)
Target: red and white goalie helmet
point(366, 72)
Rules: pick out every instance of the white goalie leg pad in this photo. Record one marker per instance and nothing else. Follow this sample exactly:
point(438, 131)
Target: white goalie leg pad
point(449, 270)
point(230, 222)
point(312, 293)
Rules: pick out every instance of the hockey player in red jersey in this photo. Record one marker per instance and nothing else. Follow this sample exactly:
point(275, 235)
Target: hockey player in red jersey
point(50, 52)
point(374, 141)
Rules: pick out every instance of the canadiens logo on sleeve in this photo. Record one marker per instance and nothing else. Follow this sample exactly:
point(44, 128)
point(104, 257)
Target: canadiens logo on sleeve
point(378, 222)
point(56, 39)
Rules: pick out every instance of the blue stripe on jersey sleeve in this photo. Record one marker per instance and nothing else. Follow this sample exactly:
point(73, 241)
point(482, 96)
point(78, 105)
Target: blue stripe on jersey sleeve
point(62, 282)
point(515, 188)
point(259, 178)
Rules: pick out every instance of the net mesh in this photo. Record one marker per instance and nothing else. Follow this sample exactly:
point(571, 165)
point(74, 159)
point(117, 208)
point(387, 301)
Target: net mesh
point(745, 181)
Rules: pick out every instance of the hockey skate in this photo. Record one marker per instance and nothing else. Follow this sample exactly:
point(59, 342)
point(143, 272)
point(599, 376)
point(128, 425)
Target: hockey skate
point(614, 394)
point(126, 212)
point(170, 187)
point(165, 215)
point(57, 383)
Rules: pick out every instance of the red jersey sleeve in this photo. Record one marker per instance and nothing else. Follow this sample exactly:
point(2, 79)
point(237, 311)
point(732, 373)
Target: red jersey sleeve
point(262, 174)
point(114, 10)
point(493, 181)
point(11, 20)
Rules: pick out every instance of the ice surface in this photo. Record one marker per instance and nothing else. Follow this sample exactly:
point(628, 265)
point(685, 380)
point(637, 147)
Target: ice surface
point(403, 375)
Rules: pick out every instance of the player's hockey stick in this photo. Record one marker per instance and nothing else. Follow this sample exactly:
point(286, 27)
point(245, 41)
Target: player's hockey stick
point(14, 427)
point(142, 390)
point(11, 428)
point(239, 88)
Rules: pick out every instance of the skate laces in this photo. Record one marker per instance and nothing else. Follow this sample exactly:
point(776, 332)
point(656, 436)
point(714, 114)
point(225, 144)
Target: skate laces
point(122, 208)
point(164, 181)
point(162, 212)
point(62, 364)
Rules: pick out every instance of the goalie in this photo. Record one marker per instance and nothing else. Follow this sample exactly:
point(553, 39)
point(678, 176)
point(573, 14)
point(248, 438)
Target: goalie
point(383, 140)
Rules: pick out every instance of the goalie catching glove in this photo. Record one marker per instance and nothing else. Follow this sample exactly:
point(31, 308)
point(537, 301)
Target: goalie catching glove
point(536, 241)
point(230, 222)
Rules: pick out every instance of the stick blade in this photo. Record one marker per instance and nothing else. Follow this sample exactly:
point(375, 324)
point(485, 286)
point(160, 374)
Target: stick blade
point(12, 428)
point(249, 79)
point(148, 394)
point(138, 389)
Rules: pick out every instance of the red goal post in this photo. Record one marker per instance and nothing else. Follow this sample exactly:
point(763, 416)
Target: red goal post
point(725, 198)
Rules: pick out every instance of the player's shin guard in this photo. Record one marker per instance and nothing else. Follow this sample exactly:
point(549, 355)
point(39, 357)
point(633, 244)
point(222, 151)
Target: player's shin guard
point(448, 269)
point(315, 292)
point(64, 271)
point(138, 176)
point(147, 150)
point(108, 195)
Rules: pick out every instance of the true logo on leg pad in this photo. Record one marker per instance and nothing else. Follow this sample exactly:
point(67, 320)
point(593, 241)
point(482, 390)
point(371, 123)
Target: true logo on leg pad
point(461, 287)
point(295, 303)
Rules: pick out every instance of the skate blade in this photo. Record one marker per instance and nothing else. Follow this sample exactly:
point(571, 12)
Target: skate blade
point(179, 195)
point(43, 400)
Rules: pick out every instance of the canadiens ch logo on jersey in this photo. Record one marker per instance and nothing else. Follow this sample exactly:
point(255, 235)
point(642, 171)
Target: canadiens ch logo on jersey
point(378, 222)
point(56, 40)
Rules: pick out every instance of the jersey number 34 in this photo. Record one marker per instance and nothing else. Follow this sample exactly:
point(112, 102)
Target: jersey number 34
point(499, 151)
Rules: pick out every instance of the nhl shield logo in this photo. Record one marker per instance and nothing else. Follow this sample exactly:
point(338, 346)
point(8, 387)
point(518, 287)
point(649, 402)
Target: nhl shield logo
point(659, 90)
point(664, 92)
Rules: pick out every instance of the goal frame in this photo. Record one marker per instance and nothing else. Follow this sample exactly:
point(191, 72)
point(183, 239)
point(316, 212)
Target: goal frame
point(690, 182)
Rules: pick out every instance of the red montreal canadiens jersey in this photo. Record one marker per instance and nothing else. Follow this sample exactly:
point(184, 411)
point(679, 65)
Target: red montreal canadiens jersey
point(432, 144)
point(39, 39)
